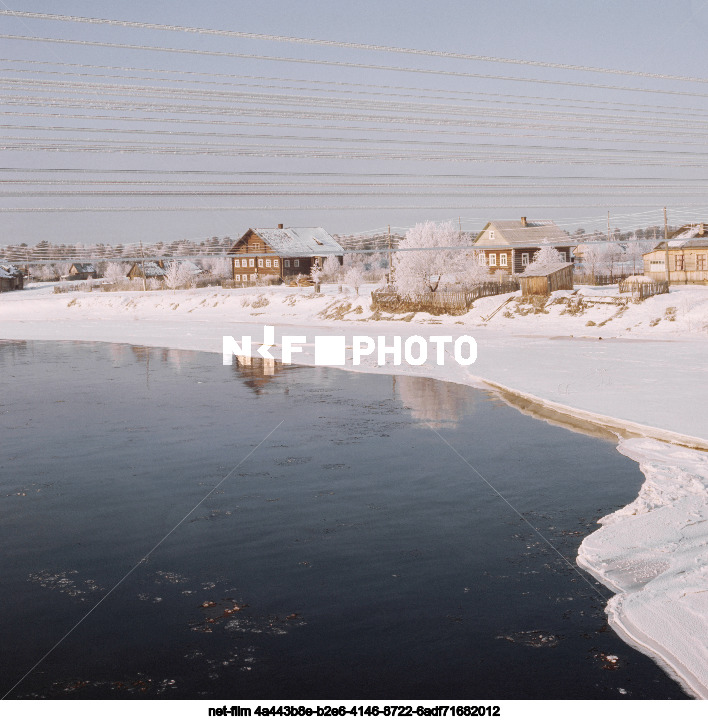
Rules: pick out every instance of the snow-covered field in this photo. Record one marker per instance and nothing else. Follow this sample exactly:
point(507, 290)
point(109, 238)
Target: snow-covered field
point(637, 369)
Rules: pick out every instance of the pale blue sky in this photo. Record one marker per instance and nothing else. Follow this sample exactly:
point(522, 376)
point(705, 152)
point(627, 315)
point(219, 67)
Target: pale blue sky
point(649, 37)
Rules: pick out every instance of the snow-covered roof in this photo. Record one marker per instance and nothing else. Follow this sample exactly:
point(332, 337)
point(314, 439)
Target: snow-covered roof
point(682, 243)
point(531, 234)
point(692, 230)
point(9, 271)
point(298, 241)
point(193, 268)
point(84, 267)
point(639, 279)
point(534, 271)
point(152, 269)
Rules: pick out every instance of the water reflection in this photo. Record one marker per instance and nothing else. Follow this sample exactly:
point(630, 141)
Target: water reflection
point(442, 405)
point(256, 373)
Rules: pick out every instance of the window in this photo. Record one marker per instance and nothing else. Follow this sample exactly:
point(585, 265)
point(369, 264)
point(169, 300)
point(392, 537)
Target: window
point(286, 263)
point(524, 259)
point(251, 262)
point(267, 262)
point(237, 277)
point(275, 262)
point(562, 255)
point(260, 262)
point(678, 261)
point(492, 259)
point(700, 262)
point(296, 263)
point(491, 235)
point(253, 276)
point(502, 259)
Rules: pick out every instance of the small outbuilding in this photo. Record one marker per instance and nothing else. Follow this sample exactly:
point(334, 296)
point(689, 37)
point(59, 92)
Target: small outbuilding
point(543, 280)
point(11, 278)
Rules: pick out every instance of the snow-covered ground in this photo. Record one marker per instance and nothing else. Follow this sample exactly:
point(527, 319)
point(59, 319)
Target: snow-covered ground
point(637, 369)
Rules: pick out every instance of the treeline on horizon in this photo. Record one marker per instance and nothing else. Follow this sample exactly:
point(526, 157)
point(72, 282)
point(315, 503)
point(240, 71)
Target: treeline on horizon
point(46, 250)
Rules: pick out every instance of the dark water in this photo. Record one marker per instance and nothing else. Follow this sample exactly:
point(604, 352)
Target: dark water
point(351, 555)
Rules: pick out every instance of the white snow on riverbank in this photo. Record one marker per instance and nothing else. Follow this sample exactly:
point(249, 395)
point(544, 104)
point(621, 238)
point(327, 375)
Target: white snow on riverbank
point(641, 367)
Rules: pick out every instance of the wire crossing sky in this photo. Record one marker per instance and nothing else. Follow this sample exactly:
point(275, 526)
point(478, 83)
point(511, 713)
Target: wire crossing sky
point(168, 121)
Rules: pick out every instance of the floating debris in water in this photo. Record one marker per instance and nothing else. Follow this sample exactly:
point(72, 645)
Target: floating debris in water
point(533, 639)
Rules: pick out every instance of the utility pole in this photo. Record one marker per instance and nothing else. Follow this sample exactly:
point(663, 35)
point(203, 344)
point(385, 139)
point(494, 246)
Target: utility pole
point(390, 258)
point(142, 265)
point(609, 238)
point(666, 245)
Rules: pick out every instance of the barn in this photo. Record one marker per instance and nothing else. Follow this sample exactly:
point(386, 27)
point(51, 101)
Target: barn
point(546, 279)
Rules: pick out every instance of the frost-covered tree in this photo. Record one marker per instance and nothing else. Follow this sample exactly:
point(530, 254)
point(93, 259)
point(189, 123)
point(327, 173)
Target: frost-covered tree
point(177, 275)
point(633, 254)
point(218, 267)
point(115, 272)
point(316, 272)
point(331, 268)
point(425, 271)
point(354, 277)
point(546, 255)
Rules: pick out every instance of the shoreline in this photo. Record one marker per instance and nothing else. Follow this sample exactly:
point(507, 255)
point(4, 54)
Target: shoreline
point(595, 556)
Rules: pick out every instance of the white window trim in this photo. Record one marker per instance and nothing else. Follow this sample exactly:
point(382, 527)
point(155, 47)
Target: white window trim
point(524, 259)
point(267, 262)
point(286, 263)
point(491, 235)
point(503, 259)
point(260, 262)
point(237, 277)
point(251, 262)
point(296, 263)
point(275, 262)
point(493, 259)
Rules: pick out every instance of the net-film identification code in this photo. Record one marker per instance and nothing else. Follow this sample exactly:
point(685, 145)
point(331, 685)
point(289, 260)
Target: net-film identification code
point(321, 711)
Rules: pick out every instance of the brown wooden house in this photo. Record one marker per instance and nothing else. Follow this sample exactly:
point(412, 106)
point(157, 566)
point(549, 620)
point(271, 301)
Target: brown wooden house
point(153, 269)
point(546, 279)
point(11, 278)
point(278, 254)
point(82, 271)
point(509, 245)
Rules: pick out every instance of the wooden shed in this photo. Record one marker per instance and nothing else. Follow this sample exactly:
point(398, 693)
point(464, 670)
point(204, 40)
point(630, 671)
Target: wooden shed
point(82, 271)
point(153, 269)
point(11, 278)
point(545, 279)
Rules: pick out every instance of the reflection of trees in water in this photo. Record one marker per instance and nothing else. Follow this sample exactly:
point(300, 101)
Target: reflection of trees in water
point(436, 402)
point(256, 373)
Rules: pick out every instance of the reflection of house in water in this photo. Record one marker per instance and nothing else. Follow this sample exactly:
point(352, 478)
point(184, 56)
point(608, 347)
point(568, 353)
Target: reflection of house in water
point(256, 373)
point(436, 402)
point(172, 357)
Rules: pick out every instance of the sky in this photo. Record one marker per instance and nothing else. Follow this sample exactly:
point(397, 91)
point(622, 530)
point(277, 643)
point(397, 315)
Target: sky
point(207, 134)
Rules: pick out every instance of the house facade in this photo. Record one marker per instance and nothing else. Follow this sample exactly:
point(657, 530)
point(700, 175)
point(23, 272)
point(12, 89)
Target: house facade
point(509, 245)
point(278, 254)
point(688, 261)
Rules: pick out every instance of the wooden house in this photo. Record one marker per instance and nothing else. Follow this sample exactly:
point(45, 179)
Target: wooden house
point(153, 269)
point(278, 254)
point(687, 251)
point(11, 278)
point(546, 279)
point(509, 245)
point(82, 271)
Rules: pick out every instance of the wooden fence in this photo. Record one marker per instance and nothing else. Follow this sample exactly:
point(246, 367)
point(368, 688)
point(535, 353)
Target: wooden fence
point(641, 291)
point(452, 302)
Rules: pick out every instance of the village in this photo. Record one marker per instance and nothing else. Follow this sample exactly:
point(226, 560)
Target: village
point(439, 270)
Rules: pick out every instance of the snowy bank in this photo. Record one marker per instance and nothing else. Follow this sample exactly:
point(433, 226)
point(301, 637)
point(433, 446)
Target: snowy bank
point(654, 554)
point(630, 369)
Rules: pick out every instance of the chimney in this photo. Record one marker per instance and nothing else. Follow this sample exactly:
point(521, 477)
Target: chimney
point(524, 224)
point(280, 226)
